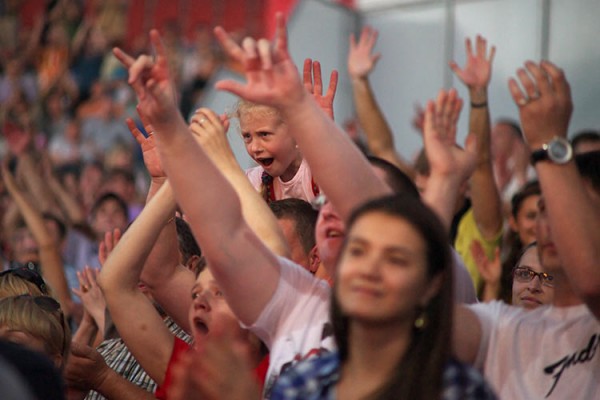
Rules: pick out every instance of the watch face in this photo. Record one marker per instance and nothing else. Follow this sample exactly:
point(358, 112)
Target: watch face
point(560, 151)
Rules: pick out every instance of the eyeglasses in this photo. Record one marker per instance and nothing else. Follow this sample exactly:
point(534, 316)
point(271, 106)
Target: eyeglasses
point(524, 274)
point(50, 306)
point(30, 276)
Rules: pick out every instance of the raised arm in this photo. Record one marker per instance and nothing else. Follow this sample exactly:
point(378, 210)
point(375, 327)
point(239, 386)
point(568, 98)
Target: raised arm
point(272, 79)
point(71, 207)
point(50, 258)
point(485, 199)
point(545, 108)
point(450, 165)
point(210, 132)
point(247, 271)
point(134, 315)
point(380, 138)
point(163, 274)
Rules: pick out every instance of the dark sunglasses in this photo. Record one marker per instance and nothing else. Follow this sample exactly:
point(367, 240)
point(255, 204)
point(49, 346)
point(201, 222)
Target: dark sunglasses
point(30, 276)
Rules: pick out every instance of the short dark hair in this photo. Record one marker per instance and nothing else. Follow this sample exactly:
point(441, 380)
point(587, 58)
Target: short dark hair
point(518, 133)
point(119, 173)
point(304, 217)
point(587, 135)
point(531, 188)
point(188, 246)
point(397, 180)
point(588, 165)
point(109, 197)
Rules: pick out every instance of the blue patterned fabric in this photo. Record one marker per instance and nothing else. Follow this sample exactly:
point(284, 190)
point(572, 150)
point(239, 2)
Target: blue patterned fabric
point(316, 378)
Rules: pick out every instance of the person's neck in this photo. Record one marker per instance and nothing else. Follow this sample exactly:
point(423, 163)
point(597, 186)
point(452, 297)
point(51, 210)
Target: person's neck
point(292, 170)
point(373, 353)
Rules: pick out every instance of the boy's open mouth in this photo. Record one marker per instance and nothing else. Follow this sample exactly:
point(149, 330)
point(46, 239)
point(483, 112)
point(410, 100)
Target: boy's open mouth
point(265, 162)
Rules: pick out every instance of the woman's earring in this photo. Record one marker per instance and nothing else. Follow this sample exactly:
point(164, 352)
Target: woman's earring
point(421, 321)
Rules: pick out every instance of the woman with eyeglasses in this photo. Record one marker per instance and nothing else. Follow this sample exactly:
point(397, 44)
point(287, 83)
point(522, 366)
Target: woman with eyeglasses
point(36, 322)
point(531, 287)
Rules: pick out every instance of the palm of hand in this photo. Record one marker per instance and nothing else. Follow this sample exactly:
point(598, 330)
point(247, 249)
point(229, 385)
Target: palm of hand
point(151, 158)
point(477, 72)
point(276, 86)
point(360, 63)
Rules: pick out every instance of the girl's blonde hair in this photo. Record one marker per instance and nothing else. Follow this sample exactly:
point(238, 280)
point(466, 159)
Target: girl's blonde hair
point(243, 108)
point(40, 317)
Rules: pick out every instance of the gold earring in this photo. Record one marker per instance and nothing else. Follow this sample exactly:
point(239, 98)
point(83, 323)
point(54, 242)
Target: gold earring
point(421, 321)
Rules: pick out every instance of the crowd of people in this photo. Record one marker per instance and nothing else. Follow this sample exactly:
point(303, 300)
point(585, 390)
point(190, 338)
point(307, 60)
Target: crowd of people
point(335, 268)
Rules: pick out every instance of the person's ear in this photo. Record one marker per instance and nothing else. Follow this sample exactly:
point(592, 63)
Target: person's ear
point(314, 260)
point(433, 288)
point(192, 262)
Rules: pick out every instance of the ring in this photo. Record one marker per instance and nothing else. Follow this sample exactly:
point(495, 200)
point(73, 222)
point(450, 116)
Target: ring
point(150, 133)
point(202, 120)
point(523, 102)
point(85, 288)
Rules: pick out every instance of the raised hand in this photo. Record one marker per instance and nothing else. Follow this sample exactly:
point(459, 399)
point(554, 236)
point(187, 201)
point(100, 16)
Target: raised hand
point(85, 368)
point(439, 135)
point(477, 72)
point(151, 81)
point(271, 76)
point(312, 70)
point(148, 146)
point(490, 270)
point(209, 130)
point(108, 244)
point(91, 295)
point(361, 61)
point(545, 104)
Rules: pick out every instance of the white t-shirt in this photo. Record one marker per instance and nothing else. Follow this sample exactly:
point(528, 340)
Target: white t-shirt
point(299, 187)
point(550, 352)
point(294, 325)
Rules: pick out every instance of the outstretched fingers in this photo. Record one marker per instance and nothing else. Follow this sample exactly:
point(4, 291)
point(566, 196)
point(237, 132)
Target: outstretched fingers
point(333, 82)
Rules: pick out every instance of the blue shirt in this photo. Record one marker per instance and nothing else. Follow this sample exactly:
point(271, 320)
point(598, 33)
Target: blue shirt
point(316, 378)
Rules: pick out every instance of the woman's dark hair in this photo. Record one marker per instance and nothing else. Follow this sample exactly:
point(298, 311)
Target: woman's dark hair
point(513, 242)
point(418, 374)
point(531, 188)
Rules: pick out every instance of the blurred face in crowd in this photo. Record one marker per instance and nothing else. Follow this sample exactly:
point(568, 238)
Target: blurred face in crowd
point(24, 246)
point(109, 215)
point(529, 290)
point(382, 274)
point(525, 222)
point(209, 309)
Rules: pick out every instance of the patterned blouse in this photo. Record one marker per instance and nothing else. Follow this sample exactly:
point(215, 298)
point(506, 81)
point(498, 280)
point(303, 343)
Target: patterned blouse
point(316, 378)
